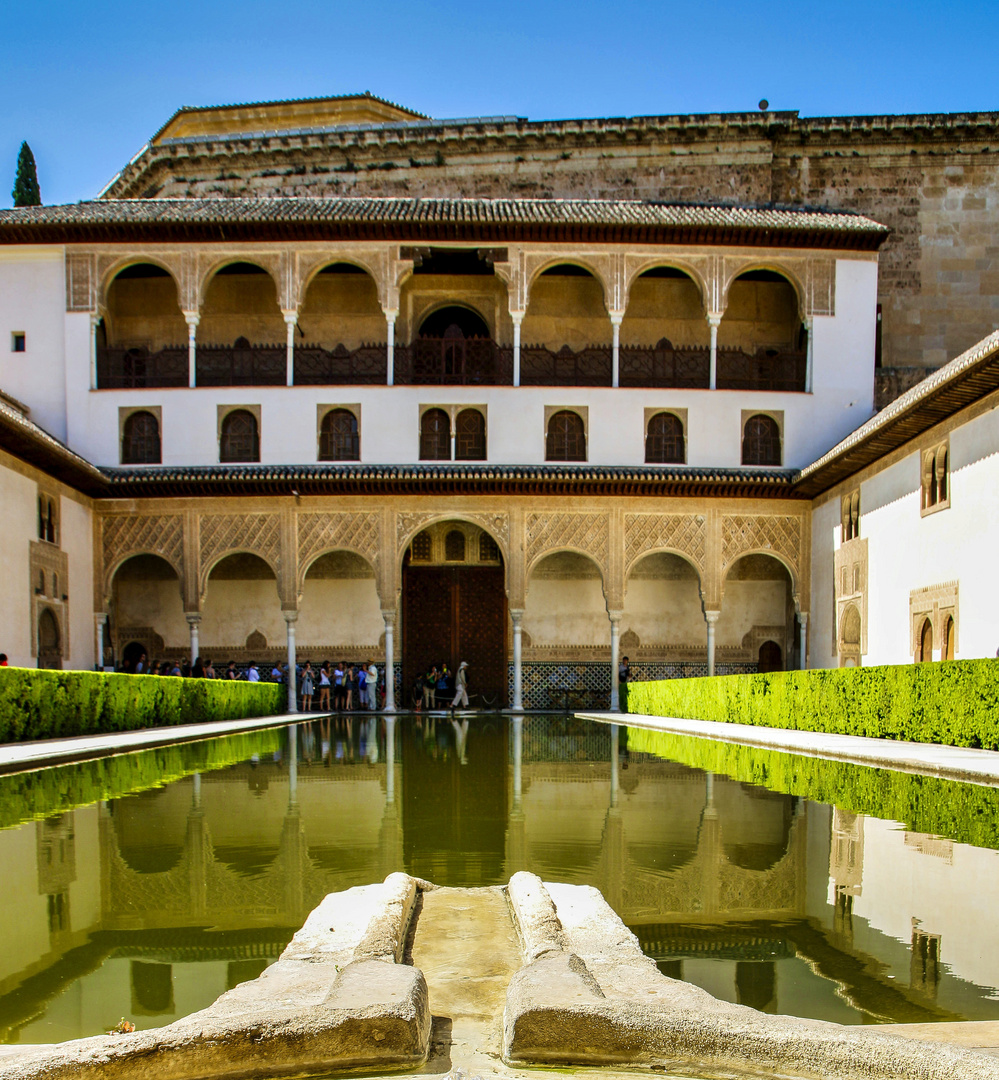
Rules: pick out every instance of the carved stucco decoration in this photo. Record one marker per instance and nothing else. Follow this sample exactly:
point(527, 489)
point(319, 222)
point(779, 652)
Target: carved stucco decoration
point(225, 534)
point(686, 533)
point(496, 524)
point(779, 535)
point(703, 269)
point(585, 532)
point(81, 281)
point(128, 535)
point(279, 264)
point(373, 260)
point(319, 533)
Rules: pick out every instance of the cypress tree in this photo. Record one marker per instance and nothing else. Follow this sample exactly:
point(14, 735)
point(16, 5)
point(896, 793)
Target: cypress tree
point(26, 191)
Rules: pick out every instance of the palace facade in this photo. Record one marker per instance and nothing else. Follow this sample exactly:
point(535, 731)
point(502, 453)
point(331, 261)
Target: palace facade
point(300, 416)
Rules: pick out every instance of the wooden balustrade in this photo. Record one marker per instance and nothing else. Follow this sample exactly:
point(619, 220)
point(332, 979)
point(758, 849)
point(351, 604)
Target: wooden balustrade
point(590, 366)
point(120, 367)
point(366, 365)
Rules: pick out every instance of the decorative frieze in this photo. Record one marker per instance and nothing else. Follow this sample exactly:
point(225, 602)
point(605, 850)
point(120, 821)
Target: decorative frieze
point(125, 535)
point(319, 533)
point(224, 534)
point(780, 535)
point(684, 533)
point(588, 533)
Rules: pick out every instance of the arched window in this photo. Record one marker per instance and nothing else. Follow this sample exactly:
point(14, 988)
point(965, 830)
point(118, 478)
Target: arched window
point(435, 436)
point(47, 521)
point(761, 441)
point(338, 437)
point(470, 436)
point(566, 437)
point(924, 651)
point(240, 439)
point(140, 440)
point(454, 546)
point(947, 649)
point(664, 440)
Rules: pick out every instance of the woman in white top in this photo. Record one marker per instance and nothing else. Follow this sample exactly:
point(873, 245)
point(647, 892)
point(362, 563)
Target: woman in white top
point(324, 687)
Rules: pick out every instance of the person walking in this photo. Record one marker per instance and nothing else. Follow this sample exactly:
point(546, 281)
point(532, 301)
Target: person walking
point(372, 685)
point(308, 687)
point(461, 687)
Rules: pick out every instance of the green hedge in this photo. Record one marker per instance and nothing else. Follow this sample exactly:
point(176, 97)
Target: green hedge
point(955, 703)
point(926, 804)
point(56, 704)
point(34, 795)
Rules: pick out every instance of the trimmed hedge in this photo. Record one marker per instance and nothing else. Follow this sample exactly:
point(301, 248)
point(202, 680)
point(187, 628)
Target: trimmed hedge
point(35, 795)
point(57, 704)
point(968, 813)
point(955, 703)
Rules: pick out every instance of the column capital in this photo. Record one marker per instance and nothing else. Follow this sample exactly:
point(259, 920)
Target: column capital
point(518, 317)
point(100, 618)
point(516, 614)
point(711, 617)
point(615, 615)
point(192, 318)
point(389, 617)
point(391, 314)
point(95, 319)
point(714, 318)
point(803, 618)
point(290, 615)
point(193, 617)
point(616, 317)
point(290, 315)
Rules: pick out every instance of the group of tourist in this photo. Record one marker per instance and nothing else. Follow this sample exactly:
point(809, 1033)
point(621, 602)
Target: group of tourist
point(438, 681)
point(342, 687)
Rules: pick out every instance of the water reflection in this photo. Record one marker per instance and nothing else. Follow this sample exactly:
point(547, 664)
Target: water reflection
point(150, 905)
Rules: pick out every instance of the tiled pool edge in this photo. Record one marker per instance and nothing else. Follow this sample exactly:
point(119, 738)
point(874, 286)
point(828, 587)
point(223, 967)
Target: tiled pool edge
point(925, 759)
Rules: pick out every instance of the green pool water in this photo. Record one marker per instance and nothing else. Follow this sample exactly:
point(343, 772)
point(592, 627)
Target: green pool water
point(143, 886)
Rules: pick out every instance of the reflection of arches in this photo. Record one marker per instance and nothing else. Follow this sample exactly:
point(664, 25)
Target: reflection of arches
point(239, 440)
point(771, 658)
point(140, 439)
point(924, 647)
point(755, 824)
point(49, 640)
point(565, 439)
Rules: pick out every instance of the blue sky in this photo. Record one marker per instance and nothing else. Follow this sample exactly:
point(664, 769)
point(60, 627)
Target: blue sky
point(87, 85)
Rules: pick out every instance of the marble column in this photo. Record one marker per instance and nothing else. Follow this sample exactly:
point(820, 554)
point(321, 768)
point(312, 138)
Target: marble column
point(100, 621)
point(808, 354)
point(615, 621)
point(390, 317)
point(95, 321)
point(714, 321)
point(192, 318)
point(291, 322)
point(389, 617)
point(290, 618)
point(518, 318)
point(194, 622)
point(616, 319)
point(711, 617)
point(803, 639)
point(517, 615)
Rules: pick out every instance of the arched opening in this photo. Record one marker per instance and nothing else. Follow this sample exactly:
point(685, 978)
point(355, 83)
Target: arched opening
point(147, 613)
point(239, 438)
point(453, 348)
point(755, 824)
point(566, 333)
point(151, 829)
point(142, 341)
point(470, 436)
point(947, 648)
point(340, 614)
point(761, 441)
point(850, 637)
point(662, 610)
point(758, 607)
point(140, 439)
point(340, 335)
point(664, 441)
point(49, 640)
point(241, 302)
point(565, 609)
point(458, 322)
point(565, 439)
point(770, 658)
point(241, 617)
point(339, 439)
point(454, 609)
point(435, 436)
point(762, 343)
point(924, 646)
point(665, 339)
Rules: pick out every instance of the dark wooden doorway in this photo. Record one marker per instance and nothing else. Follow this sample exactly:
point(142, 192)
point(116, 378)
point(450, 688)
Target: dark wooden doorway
point(771, 657)
point(455, 613)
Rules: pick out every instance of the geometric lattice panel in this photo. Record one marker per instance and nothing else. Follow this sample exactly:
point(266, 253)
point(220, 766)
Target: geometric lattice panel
point(126, 534)
point(258, 534)
point(781, 535)
point(588, 533)
point(655, 532)
point(318, 533)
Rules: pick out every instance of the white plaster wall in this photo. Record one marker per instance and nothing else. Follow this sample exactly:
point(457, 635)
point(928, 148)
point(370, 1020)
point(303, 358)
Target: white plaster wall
point(18, 497)
point(826, 532)
point(664, 611)
point(339, 611)
point(234, 608)
point(77, 540)
point(751, 603)
point(567, 611)
point(156, 603)
point(33, 300)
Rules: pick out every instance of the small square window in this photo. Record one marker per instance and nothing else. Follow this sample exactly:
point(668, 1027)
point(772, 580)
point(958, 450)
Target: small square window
point(18, 341)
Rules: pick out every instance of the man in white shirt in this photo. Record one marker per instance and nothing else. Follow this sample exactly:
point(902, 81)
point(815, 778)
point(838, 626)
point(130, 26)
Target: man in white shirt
point(372, 685)
point(253, 675)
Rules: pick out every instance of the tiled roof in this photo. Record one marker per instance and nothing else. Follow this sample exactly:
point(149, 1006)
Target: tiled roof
point(444, 217)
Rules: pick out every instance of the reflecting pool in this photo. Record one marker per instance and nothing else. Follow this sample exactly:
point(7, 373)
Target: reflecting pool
point(145, 885)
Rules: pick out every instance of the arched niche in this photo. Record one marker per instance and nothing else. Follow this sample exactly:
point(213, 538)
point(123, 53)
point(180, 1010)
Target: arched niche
point(142, 309)
point(566, 307)
point(241, 301)
point(662, 602)
point(241, 600)
point(763, 311)
point(757, 606)
point(147, 607)
point(665, 302)
point(339, 606)
point(341, 307)
point(456, 277)
point(565, 602)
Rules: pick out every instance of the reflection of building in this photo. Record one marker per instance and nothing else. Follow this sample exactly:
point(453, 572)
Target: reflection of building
point(201, 882)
